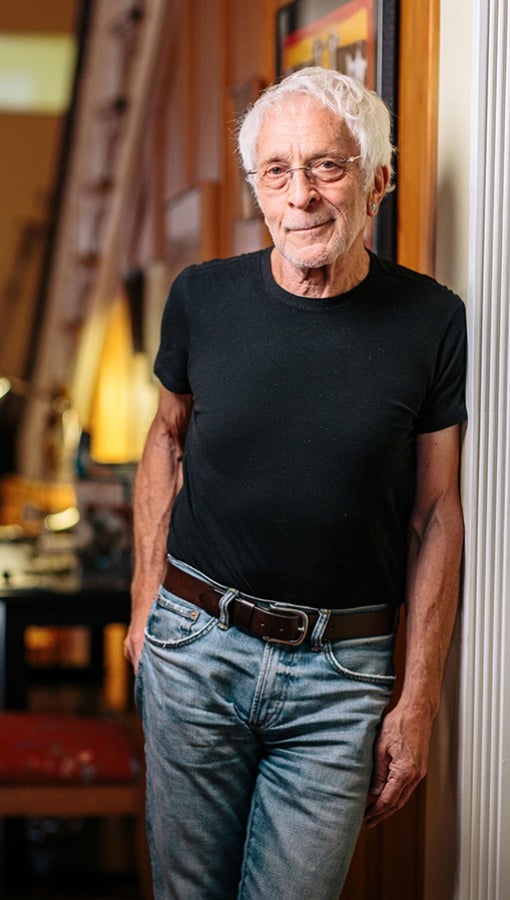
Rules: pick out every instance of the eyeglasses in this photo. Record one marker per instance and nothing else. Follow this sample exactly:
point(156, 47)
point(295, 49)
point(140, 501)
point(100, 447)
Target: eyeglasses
point(320, 171)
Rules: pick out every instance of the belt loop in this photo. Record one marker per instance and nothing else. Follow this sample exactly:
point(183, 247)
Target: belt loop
point(317, 636)
point(227, 598)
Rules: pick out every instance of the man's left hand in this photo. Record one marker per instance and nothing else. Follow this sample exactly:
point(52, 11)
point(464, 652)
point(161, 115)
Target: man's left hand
point(400, 762)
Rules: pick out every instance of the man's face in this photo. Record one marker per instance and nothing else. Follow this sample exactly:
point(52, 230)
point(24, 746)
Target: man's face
point(311, 225)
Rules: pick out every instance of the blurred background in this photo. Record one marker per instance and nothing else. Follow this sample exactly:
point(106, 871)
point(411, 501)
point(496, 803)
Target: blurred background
point(117, 168)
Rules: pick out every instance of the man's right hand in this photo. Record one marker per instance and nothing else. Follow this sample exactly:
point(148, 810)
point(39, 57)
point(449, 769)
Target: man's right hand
point(133, 642)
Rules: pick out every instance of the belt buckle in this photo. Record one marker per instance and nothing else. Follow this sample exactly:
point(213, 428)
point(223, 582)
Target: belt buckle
point(302, 629)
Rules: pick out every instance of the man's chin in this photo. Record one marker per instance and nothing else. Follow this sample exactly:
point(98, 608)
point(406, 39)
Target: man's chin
point(309, 260)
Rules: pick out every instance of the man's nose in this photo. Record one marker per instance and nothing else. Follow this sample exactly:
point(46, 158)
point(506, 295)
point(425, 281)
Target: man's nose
point(301, 188)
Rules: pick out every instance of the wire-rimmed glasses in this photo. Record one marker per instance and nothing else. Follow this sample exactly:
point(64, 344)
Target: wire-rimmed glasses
point(326, 170)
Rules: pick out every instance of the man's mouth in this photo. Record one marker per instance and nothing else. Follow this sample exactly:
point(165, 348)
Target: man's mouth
point(313, 226)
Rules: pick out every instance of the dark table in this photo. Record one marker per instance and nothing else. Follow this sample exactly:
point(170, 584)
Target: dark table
point(62, 602)
point(91, 605)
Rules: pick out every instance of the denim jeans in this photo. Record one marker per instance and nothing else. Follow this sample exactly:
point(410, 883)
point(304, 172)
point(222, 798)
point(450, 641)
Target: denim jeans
point(259, 755)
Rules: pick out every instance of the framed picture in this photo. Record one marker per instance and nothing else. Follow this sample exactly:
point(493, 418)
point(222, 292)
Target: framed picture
point(242, 96)
point(192, 227)
point(358, 38)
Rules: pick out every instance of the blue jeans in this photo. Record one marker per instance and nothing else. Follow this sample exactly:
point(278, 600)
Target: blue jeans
point(259, 755)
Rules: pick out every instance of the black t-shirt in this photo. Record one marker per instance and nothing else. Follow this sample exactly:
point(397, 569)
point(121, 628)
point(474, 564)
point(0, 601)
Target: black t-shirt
point(299, 461)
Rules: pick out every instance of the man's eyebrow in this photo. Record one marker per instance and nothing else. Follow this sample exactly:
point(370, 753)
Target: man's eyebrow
point(317, 154)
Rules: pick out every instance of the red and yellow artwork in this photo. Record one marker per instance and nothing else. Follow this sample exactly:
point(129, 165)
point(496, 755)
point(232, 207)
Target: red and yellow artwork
point(343, 39)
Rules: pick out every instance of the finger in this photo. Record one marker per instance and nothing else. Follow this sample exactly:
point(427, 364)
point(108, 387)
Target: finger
point(394, 796)
point(381, 768)
point(379, 780)
point(384, 804)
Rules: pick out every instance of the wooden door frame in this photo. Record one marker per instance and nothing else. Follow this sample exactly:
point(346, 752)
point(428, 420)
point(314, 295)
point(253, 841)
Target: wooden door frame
point(418, 129)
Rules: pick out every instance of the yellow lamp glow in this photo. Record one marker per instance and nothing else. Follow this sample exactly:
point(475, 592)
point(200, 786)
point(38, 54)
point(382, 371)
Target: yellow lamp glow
point(36, 72)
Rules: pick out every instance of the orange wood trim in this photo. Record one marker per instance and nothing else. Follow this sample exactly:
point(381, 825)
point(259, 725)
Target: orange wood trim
point(269, 57)
point(158, 152)
point(71, 800)
point(418, 118)
point(225, 195)
point(191, 107)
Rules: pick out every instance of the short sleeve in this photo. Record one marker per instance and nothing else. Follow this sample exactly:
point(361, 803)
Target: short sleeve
point(171, 362)
point(445, 404)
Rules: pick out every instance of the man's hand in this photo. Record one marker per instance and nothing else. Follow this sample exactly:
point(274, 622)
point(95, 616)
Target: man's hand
point(400, 762)
point(134, 642)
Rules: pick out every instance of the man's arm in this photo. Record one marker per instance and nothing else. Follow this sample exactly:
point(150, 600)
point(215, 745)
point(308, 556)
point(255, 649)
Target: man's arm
point(158, 480)
point(435, 549)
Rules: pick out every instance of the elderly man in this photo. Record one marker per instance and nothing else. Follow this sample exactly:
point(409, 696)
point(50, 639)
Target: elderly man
point(301, 474)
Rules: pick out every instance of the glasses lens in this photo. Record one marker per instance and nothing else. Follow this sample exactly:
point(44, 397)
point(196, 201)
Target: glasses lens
point(276, 176)
point(328, 170)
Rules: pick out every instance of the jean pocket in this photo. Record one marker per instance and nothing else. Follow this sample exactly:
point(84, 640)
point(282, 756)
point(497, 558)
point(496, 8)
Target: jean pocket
point(173, 622)
point(364, 659)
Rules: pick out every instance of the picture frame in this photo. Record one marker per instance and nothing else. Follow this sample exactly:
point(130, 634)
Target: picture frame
point(358, 38)
point(192, 227)
point(242, 96)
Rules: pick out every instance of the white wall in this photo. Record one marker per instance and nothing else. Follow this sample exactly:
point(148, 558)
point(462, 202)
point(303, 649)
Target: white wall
point(452, 242)
point(484, 774)
point(474, 257)
point(454, 144)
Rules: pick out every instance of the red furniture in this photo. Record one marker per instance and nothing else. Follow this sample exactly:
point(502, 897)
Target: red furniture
point(72, 766)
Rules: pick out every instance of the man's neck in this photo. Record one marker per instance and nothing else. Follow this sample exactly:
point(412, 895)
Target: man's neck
point(326, 281)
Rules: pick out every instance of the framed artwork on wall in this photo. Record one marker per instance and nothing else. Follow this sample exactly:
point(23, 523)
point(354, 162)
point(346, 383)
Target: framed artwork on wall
point(192, 227)
point(242, 96)
point(358, 38)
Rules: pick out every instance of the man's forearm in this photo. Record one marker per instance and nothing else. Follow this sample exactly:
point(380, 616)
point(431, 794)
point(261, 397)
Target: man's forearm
point(158, 481)
point(156, 486)
point(402, 749)
point(434, 555)
point(431, 606)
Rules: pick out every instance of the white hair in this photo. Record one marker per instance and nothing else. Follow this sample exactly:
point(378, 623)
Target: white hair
point(366, 115)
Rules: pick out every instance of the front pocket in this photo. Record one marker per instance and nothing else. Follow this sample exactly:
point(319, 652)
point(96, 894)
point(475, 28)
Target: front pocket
point(173, 622)
point(366, 659)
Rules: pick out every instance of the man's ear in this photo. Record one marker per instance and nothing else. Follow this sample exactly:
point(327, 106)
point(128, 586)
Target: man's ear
point(377, 191)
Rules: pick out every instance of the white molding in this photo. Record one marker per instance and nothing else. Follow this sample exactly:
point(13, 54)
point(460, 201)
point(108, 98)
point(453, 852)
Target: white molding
point(484, 798)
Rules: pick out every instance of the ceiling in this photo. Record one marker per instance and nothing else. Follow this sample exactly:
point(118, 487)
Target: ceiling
point(30, 151)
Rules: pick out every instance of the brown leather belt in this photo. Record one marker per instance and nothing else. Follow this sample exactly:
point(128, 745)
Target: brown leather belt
point(283, 624)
